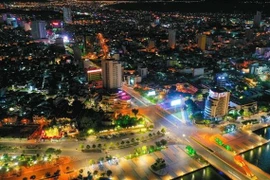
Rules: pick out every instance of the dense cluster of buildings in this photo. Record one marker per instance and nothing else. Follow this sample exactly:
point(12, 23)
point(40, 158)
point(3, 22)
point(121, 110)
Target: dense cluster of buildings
point(223, 56)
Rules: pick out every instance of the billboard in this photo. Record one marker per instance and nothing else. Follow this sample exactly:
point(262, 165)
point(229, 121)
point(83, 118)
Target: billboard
point(176, 102)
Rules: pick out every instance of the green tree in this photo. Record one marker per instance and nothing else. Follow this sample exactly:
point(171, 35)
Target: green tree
point(57, 151)
point(88, 146)
point(91, 162)
point(163, 142)
point(163, 130)
point(144, 149)
point(158, 143)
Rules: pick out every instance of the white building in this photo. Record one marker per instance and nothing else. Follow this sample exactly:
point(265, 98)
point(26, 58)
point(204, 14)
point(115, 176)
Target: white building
point(67, 15)
point(111, 74)
point(217, 103)
point(38, 30)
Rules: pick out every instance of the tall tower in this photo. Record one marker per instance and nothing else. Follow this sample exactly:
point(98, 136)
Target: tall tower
point(38, 29)
point(67, 15)
point(217, 103)
point(111, 74)
point(202, 41)
point(171, 38)
point(257, 19)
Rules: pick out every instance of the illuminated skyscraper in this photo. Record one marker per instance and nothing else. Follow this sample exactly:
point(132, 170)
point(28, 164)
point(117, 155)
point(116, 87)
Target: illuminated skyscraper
point(38, 29)
point(67, 15)
point(171, 38)
point(217, 103)
point(111, 74)
point(202, 41)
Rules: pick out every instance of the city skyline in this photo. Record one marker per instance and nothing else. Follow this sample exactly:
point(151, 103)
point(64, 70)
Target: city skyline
point(134, 90)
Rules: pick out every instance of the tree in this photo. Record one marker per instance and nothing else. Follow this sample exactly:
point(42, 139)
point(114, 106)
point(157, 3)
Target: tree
point(99, 146)
point(95, 172)
point(135, 112)
point(150, 135)
point(25, 178)
point(151, 148)
point(94, 146)
point(81, 146)
point(109, 173)
point(163, 142)
point(81, 171)
point(57, 172)
point(101, 159)
point(88, 146)
point(91, 162)
point(67, 168)
point(158, 143)
point(163, 130)
point(57, 151)
point(47, 174)
point(144, 149)
point(33, 177)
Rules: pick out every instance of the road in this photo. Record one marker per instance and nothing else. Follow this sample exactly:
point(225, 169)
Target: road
point(232, 171)
point(182, 133)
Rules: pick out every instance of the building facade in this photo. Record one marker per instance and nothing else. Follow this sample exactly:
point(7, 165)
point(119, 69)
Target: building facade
point(257, 19)
point(202, 41)
point(217, 103)
point(38, 30)
point(67, 15)
point(171, 38)
point(111, 74)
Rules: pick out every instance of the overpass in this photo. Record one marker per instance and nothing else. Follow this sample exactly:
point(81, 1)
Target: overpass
point(234, 167)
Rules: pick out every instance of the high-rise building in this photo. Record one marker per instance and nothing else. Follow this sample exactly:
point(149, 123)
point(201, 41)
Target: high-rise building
point(221, 79)
point(257, 19)
point(143, 71)
point(217, 103)
point(171, 38)
point(111, 74)
point(38, 29)
point(202, 41)
point(67, 15)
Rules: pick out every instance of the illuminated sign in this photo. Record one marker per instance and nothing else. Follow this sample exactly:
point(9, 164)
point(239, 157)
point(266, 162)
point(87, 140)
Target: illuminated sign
point(176, 102)
point(93, 71)
point(151, 93)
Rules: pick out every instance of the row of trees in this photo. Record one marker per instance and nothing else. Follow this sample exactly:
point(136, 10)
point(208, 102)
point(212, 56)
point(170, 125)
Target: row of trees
point(127, 142)
point(139, 151)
